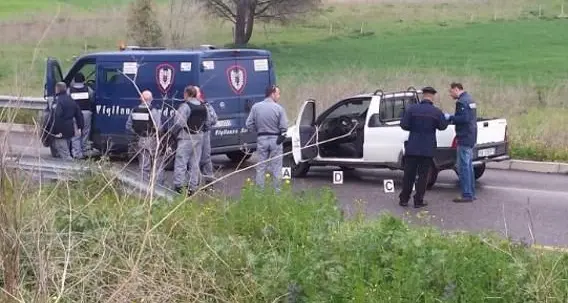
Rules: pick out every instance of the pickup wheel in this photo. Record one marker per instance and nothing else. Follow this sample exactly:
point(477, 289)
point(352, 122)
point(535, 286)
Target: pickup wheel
point(478, 171)
point(431, 177)
point(298, 170)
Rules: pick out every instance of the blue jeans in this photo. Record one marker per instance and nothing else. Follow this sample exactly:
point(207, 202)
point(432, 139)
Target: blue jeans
point(465, 171)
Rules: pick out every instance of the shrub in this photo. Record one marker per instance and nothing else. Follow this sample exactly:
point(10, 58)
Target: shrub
point(264, 247)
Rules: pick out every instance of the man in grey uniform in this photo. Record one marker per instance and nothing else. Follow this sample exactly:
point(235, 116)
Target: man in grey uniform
point(84, 96)
point(145, 123)
point(205, 163)
point(268, 120)
point(188, 129)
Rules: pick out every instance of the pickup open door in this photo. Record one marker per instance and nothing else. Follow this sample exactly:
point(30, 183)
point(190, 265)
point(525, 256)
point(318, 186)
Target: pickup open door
point(53, 75)
point(305, 133)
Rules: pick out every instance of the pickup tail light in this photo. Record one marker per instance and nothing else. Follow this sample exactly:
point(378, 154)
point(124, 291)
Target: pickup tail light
point(455, 142)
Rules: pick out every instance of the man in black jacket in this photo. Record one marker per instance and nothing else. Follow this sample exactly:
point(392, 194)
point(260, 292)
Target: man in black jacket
point(422, 120)
point(67, 115)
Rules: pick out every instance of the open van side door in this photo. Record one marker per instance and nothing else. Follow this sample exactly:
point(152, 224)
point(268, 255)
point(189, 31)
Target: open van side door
point(304, 134)
point(53, 75)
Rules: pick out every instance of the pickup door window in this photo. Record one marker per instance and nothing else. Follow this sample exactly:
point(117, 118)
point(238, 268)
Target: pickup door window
point(384, 137)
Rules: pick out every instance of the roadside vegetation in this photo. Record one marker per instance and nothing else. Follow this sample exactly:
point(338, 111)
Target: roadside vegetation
point(93, 241)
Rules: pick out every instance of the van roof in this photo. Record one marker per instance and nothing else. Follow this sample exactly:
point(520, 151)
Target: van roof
point(129, 54)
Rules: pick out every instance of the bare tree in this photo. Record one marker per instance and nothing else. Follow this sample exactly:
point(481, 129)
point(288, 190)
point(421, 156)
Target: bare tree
point(243, 13)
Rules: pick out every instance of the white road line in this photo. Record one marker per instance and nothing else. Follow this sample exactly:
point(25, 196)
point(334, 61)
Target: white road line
point(507, 188)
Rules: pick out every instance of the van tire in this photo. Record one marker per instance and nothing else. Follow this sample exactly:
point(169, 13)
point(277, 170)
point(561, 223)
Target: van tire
point(169, 165)
point(53, 151)
point(238, 156)
point(298, 170)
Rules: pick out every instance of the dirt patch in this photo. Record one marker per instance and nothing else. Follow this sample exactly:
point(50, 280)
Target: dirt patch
point(67, 25)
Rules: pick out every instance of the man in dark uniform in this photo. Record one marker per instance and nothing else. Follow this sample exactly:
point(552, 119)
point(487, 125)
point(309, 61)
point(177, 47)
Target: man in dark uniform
point(465, 121)
point(67, 121)
point(421, 120)
point(84, 96)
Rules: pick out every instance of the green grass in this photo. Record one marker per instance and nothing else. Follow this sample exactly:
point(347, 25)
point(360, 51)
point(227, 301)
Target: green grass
point(12, 9)
point(511, 51)
point(268, 248)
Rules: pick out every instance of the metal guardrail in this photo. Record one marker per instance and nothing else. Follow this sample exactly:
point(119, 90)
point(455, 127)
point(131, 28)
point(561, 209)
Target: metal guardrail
point(36, 103)
point(48, 169)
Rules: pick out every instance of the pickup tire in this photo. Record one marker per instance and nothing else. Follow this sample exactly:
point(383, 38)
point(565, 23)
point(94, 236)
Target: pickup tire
point(298, 170)
point(478, 171)
point(238, 156)
point(431, 177)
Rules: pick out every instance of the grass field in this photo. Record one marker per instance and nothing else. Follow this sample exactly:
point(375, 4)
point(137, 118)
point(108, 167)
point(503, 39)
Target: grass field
point(84, 243)
point(509, 54)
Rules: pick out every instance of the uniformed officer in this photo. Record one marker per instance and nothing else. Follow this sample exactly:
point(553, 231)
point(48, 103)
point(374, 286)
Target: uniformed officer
point(268, 119)
point(145, 123)
point(190, 119)
point(67, 121)
point(422, 120)
point(465, 120)
point(84, 96)
point(205, 164)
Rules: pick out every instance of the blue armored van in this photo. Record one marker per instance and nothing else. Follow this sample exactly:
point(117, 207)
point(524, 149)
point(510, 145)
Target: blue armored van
point(231, 79)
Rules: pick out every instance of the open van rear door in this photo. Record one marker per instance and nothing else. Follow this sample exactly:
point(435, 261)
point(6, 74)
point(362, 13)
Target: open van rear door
point(304, 135)
point(53, 75)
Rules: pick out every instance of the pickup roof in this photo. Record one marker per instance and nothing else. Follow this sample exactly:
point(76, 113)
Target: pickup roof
point(364, 131)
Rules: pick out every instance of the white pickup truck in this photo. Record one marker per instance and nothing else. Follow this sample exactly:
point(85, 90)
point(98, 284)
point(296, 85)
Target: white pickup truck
point(370, 136)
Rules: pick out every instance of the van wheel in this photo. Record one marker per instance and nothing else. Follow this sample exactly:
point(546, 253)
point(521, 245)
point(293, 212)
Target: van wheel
point(238, 156)
point(169, 163)
point(431, 177)
point(478, 171)
point(53, 151)
point(298, 170)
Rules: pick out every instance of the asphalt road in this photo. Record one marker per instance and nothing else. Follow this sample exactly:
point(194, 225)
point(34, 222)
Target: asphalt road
point(507, 200)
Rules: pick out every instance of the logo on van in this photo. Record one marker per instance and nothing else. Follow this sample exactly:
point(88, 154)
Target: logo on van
point(237, 78)
point(165, 77)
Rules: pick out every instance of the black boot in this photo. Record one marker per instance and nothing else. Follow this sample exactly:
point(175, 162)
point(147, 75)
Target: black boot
point(179, 189)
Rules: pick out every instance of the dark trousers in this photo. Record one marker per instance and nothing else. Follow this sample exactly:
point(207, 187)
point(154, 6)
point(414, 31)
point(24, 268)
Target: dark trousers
point(415, 165)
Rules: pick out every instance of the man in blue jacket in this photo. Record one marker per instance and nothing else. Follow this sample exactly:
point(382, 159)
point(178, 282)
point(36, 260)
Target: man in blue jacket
point(67, 115)
point(421, 120)
point(465, 121)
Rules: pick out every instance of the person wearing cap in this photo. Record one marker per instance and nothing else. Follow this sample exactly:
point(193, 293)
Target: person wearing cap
point(421, 120)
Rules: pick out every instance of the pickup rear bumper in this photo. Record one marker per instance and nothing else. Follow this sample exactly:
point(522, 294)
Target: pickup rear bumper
point(445, 158)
